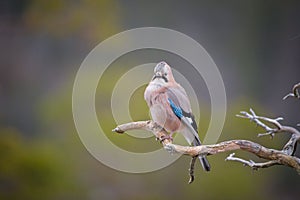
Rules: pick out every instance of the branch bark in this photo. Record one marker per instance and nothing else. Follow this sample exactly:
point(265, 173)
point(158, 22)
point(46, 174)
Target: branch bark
point(295, 92)
point(275, 157)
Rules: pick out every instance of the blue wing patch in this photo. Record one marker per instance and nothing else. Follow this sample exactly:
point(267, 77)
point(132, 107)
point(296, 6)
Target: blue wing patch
point(176, 109)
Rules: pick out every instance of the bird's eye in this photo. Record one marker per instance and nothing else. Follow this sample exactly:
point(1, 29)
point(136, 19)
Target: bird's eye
point(165, 74)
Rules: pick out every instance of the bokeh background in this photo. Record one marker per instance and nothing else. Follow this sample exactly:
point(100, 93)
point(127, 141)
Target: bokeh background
point(255, 44)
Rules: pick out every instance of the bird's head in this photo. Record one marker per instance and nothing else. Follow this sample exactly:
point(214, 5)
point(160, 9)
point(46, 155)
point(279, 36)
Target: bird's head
point(163, 72)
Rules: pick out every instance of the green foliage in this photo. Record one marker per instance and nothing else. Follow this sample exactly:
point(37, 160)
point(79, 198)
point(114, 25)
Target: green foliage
point(85, 17)
point(33, 169)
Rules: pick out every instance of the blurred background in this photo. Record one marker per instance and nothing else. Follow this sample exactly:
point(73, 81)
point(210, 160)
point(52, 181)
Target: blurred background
point(255, 44)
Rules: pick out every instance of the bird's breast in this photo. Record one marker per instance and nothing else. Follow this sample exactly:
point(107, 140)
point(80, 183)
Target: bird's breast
point(165, 117)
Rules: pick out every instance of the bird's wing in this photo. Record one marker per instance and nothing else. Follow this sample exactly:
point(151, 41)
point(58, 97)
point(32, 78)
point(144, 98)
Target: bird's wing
point(180, 105)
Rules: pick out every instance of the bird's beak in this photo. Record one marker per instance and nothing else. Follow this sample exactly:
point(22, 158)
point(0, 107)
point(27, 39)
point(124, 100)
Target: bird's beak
point(159, 75)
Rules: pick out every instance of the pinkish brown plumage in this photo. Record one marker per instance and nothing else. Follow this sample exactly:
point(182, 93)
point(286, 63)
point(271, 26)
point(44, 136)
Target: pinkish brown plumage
point(170, 107)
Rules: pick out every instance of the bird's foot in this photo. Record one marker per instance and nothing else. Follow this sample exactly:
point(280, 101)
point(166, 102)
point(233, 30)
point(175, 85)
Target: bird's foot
point(166, 137)
point(170, 148)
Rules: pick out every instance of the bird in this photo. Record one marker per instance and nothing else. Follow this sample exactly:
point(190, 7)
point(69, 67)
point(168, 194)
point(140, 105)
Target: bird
point(170, 107)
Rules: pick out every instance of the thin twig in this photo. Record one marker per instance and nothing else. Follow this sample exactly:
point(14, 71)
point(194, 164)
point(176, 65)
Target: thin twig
point(251, 163)
point(258, 120)
point(290, 146)
point(191, 170)
point(295, 92)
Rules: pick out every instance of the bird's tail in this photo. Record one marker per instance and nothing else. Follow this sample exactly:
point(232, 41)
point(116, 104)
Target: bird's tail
point(203, 160)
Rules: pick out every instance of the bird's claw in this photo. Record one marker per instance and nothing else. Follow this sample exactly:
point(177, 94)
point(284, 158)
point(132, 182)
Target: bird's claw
point(166, 137)
point(169, 148)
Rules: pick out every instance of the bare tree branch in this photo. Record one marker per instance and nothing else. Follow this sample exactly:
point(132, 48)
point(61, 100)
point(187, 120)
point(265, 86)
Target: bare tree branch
point(294, 93)
point(257, 119)
point(191, 170)
point(290, 146)
point(252, 164)
point(276, 157)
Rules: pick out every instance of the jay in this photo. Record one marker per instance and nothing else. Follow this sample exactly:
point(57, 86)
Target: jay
point(170, 107)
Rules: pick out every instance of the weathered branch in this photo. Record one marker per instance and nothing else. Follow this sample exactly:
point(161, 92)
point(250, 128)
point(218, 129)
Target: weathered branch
point(290, 146)
point(275, 157)
point(295, 92)
point(251, 163)
point(191, 170)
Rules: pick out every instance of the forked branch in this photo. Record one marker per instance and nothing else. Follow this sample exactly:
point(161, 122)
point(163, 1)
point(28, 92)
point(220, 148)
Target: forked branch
point(274, 157)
